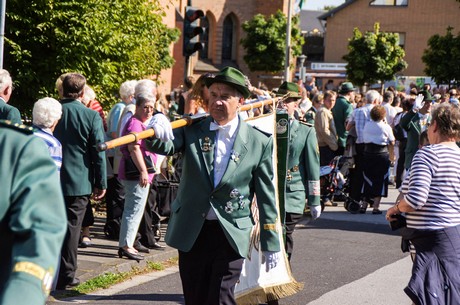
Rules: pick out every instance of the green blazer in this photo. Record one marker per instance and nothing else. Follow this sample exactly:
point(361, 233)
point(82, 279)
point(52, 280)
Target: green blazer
point(303, 164)
point(83, 167)
point(32, 217)
point(411, 123)
point(249, 173)
point(10, 113)
point(341, 112)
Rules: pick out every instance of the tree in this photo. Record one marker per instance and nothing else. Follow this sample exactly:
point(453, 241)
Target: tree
point(442, 57)
point(373, 57)
point(265, 41)
point(108, 41)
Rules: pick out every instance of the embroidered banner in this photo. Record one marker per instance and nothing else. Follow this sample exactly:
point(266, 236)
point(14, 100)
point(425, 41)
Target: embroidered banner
point(256, 285)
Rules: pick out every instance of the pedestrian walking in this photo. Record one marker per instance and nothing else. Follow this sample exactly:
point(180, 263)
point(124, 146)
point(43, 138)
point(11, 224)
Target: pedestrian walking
point(226, 163)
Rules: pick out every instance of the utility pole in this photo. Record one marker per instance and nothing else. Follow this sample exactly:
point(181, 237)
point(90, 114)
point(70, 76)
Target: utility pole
point(2, 29)
point(287, 74)
point(302, 69)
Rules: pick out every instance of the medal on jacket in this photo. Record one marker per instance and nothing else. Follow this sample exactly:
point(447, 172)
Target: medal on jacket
point(228, 207)
point(235, 156)
point(206, 145)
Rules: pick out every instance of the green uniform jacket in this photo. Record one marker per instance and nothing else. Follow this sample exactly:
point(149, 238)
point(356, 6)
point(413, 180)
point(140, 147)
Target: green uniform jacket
point(341, 111)
point(32, 217)
point(10, 113)
point(303, 166)
point(411, 123)
point(249, 172)
point(83, 167)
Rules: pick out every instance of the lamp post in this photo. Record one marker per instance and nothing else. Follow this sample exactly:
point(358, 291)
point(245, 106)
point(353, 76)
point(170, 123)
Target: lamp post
point(2, 29)
point(302, 69)
point(287, 76)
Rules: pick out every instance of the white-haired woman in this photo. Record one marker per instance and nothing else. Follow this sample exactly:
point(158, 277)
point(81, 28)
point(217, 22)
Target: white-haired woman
point(45, 115)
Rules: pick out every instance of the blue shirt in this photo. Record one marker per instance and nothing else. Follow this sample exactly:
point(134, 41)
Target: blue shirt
point(53, 145)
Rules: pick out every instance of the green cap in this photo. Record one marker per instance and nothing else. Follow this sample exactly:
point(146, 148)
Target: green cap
point(289, 88)
point(232, 77)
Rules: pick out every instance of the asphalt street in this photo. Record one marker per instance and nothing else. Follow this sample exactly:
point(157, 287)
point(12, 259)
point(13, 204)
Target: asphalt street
point(341, 258)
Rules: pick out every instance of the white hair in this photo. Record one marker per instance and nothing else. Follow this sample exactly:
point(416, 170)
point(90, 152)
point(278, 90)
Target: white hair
point(46, 112)
point(127, 89)
point(371, 96)
point(88, 95)
point(5, 79)
point(145, 86)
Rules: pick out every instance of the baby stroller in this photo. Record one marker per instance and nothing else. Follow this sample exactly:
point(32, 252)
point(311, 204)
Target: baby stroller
point(333, 180)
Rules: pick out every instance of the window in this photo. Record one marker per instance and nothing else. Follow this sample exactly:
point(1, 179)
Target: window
point(227, 39)
point(402, 40)
point(389, 2)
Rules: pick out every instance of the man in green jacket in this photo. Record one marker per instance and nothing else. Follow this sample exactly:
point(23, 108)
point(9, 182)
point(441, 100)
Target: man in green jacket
point(7, 112)
point(341, 112)
point(302, 180)
point(415, 122)
point(83, 169)
point(31, 217)
point(226, 163)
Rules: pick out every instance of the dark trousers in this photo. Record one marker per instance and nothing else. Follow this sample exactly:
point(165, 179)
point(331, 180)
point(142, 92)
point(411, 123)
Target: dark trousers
point(114, 198)
point(76, 208)
point(401, 161)
point(356, 176)
point(211, 269)
point(88, 219)
point(340, 151)
point(290, 222)
point(325, 155)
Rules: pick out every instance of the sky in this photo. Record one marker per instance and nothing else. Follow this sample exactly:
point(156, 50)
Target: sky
point(320, 4)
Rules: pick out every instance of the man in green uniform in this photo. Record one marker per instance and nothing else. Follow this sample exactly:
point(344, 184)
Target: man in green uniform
point(226, 162)
point(7, 112)
point(414, 122)
point(302, 180)
point(341, 112)
point(32, 211)
point(83, 169)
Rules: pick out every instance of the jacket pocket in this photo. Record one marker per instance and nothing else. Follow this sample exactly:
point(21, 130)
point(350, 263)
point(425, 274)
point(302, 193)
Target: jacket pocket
point(296, 187)
point(244, 222)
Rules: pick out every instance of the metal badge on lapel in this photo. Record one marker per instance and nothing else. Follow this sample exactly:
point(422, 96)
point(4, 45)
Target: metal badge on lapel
point(234, 193)
point(206, 145)
point(228, 207)
point(241, 203)
point(235, 156)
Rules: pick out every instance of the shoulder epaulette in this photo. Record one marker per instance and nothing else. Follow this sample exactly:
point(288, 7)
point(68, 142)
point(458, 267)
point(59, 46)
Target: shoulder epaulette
point(18, 127)
point(306, 124)
point(262, 131)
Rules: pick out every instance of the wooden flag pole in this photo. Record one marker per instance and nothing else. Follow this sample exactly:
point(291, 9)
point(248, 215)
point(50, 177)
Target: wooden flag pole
point(184, 121)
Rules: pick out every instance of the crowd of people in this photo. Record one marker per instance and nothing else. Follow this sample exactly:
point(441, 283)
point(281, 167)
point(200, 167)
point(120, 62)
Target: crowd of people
point(385, 134)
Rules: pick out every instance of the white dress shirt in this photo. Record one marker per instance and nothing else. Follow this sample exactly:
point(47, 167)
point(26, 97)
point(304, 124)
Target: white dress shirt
point(225, 137)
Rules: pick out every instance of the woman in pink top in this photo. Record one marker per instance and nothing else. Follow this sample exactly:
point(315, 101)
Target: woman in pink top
point(136, 189)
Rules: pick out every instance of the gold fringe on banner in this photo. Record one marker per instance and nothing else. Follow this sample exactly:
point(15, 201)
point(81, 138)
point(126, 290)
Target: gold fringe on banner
point(260, 295)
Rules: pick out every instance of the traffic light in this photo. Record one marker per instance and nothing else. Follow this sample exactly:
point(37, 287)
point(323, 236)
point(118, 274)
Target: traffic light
point(192, 31)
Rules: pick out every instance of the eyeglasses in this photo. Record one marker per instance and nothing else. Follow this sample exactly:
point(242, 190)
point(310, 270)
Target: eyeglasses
point(149, 107)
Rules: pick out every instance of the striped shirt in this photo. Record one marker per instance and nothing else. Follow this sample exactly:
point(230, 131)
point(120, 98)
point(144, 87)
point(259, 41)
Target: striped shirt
point(53, 145)
point(433, 188)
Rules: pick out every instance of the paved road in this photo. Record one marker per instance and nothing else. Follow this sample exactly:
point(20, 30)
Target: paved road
point(342, 259)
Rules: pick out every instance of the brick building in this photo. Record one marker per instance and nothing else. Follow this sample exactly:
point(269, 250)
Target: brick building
point(415, 21)
point(223, 21)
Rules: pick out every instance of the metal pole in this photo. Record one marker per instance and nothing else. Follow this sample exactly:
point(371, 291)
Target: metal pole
point(287, 76)
point(2, 30)
point(302, 69)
